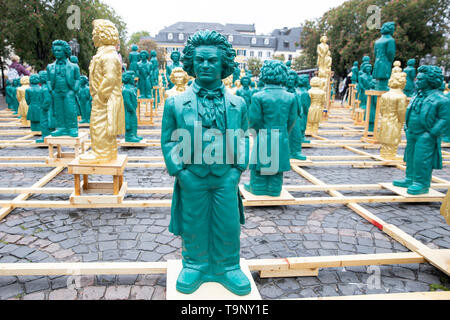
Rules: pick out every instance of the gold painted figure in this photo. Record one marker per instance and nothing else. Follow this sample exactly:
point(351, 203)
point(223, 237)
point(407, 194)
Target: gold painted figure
point(228, 82)
point(180, 78)
point(105, 82)
point(392, 114)
point(23, 106)
point(318, 97)
point(322, 53)
point(445, 208)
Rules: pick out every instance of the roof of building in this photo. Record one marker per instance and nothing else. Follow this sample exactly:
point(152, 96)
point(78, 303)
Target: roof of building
point(287, 38)
point(250, 28)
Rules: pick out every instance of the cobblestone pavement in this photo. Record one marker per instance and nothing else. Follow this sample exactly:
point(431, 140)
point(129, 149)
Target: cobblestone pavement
point(88, 235)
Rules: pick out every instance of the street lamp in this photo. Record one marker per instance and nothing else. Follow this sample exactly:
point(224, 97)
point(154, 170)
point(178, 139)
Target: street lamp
point(75, 46)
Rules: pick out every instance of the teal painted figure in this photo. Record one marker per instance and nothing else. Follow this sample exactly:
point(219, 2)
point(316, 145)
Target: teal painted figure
point(63, 82)
point(288, 64)
point(245, 91)
point(236, 74)
point(74, 60)
point(145, 76)
point(305, 102)
point(8, 87)
point(130, 102)
point(134, 58)
point(175, 57)
point(410, 71)
point(427, 119)
point(355, 72)
point(366, 82)
point(14, 101)
point(155, 74)
point(33, 97)
point(295, 136)
point(384, 51)
point(85, 100)
point(47, 119)
point(272, 115)
point(206, 205)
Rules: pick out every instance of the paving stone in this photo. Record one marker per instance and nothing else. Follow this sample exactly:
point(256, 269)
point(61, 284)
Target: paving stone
point(164, 249)
point(80, 249)
point(126, 279)
point(105, 279)
point(149, 256)
point(37, 256)
point(110, 255)
point(10, 291)
point(62, 282)
point(327, 277)
point(117, 293)
point(271, 291)
point(37, 285)
point(92, 293)
point(12, 238)
point(34, 296)
point(107, 245)
point(57, 237)
point(63, 294)
point(107, 237)
point(141, 292)
point(22, 252)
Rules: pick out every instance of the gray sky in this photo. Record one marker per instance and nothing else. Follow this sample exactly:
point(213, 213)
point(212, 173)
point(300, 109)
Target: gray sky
point(267, 15)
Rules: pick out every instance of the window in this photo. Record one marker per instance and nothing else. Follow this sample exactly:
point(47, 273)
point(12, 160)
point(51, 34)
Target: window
point(286, 44)
point(266, 41)
point(260, 54)
point(268, 54)
point(252, 53)
point(253, 40)
point(181, 36)
point(170, 36)
point(290, 57)
point(230, 38)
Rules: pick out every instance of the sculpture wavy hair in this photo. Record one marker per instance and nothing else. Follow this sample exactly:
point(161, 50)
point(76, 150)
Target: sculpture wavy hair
point(209, 38)
point(179, 70)
point(175, 52)
point(303, 81)
point(66, 47)
point(146, 53)
point(274, 72)
point(434, 75)
point(43, 76)
point(389, 27)
point(106, 32)
point(128, 76)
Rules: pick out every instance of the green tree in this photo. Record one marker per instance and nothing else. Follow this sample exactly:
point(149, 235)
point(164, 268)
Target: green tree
point(254, 65)
point(32, 25)
point(301, 63)
point(136, 37)
point(420, 27)
point(278, 57)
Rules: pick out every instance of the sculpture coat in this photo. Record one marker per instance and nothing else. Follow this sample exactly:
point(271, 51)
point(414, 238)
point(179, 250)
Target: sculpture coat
point(33, 96)
point(23, 106)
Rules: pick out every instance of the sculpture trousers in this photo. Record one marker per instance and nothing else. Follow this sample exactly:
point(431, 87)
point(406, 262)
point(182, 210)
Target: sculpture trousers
point(65, 109)
point(419, 154)
point(271, 184)
point(210, 221)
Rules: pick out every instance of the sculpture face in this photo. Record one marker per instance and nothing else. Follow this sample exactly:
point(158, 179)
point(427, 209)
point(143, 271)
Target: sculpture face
point(179, 78)
point(43, 76)
point(422, 82)
point(207, 64)
point(34, 79)
point(175, 56)
point(245, 82)
point(291, 81)
point(58, 52)
point(368, 68)
point(143, 56)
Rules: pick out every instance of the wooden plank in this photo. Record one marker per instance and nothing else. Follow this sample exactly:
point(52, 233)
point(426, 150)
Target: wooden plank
point(434, 295)
point(289, 273)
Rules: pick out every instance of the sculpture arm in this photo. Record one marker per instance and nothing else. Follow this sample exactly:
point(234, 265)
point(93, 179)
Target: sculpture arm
point(255, 120)
point(442, 118)
point(76, 86)
point(401, 109)
point(27, 97)
point(390, 50)
point(243, 145)
point(292, 114)
point(112, 69)
point(169, 147)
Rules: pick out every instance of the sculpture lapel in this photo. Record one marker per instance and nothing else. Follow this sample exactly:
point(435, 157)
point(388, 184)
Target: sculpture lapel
point(189, 108)
point(231, 112)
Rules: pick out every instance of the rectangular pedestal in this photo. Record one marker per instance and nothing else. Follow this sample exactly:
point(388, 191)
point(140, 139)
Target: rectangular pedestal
point(114, 168)
point(284, 195)
point(403, 192)
point(99, 189)
point(142, 143)
point(208, 290)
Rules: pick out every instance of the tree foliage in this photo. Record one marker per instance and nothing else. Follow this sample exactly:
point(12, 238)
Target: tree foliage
point(150, 45)
point(420, 28)
point(301, 63)
point(136, 37)
point(254, 65)
point(278, 57)
point(30, 26)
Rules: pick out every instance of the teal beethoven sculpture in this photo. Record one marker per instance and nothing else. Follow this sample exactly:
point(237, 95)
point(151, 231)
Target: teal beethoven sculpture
point(134, 58)
point(130, 103)
point(175, 56)
point(355, 72)
point(410, 71)
point(366, 82)
point(63, 83)
point(206, 204)
point(384, 50)
point(305, 102)
point(85, 100)
point(145, 76)
point(272, 114)
point(74, 60)
point(15, 102)
point(427, 119)
point(8, 97)
point(47, 118)
point(245, 91)
point(33, 97)
point(295, 136)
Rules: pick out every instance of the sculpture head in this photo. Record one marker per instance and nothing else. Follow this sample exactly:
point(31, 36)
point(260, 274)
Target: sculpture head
point(43, 76)
point(179, 77)
point(303, 81)
point(16, 82)
point(175, 56)
point(315, 82)
point(429, 77)
point(74, 59)
point(355, 64)
point(397, 80)
point(61, 49)
point(144, 55)
point(397, 67)
point(288, 63)
point(367, 68)
point(34, 79)
point(84, 81)
point(388, 28)
point(237, 83)
point(208, 56)
point(245, 81)
point(134, 47)
point(324, 39)
point(25, 80)
point(365, 59)
point(128, 77)
point(292, 79)
point(411, 63)
point(153, 53)
point(8, 83)
point(105, 33)
point(274, 72)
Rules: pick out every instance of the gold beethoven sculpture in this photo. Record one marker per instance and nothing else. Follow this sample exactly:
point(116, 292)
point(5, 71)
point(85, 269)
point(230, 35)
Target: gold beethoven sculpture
point(180, 78)
point(23, 106)
point(318, 97)
point(445, 208)
point(105, 84)
point(392, 114)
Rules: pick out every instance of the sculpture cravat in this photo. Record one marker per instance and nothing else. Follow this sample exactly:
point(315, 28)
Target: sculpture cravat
point(105, 84)
point(206, 205)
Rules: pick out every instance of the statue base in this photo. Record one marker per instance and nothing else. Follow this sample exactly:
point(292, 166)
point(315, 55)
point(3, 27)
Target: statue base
point(142, 143)
point(403, 192)
point(252, 199)
point(208, 290)
point(93, 192)
point(62, 158)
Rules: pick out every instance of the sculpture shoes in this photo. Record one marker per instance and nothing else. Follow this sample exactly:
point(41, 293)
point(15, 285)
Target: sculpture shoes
point(72, 132)
point(414, 188)
point(189, 280)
